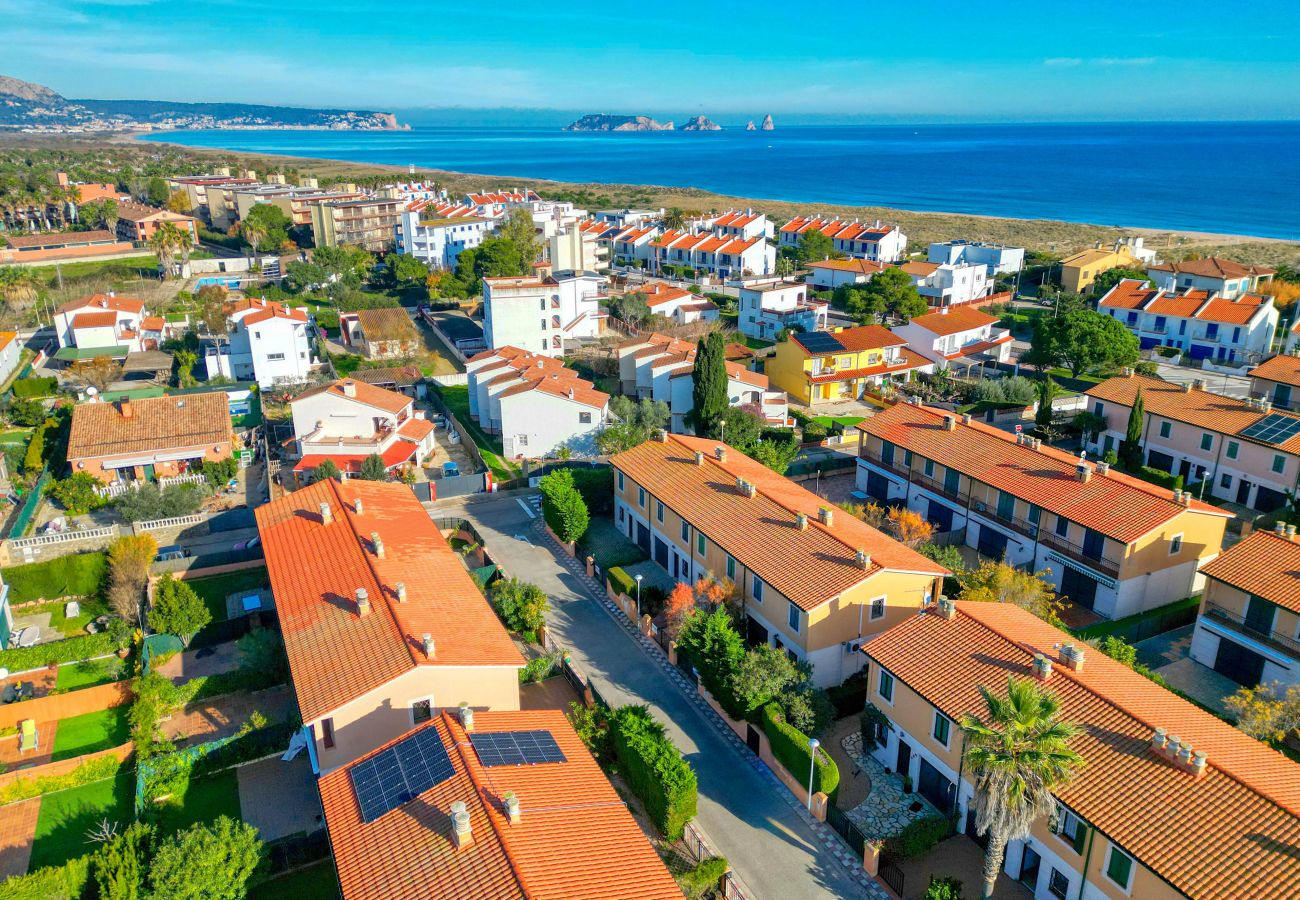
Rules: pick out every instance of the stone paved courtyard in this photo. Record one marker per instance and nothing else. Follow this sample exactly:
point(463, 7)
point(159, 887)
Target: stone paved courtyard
point(887, 810)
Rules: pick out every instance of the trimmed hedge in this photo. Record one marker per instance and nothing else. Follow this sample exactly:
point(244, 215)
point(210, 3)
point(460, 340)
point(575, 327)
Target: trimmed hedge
point(704, 877)
point(29, 388)
point(620, 581)
point(79, 575)
point(75, 649)
point(1123, 627)
point(654, 768)
point(25, 788)
point(918, 837)
point(790, 747)
point(69, 881)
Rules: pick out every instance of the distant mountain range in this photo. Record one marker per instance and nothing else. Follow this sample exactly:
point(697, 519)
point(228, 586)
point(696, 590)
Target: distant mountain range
point(25, 106)
point(602, 122)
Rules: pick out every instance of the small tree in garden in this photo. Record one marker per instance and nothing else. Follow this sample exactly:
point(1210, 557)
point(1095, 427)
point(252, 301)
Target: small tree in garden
point(327, 469)
point(1130, 449)
point(713, 645)
point(129, 559)
point(1048, 391)
point(177, 610)
point(121, 863)
point(521, 606)
point(77, 493)
point(908, 526)
point(1267, 712)
point(680, 605)
point(372, 468)
point(999, 582)
point(871, 512)
point(762, 675)
point(563, 508)
point(206, 862)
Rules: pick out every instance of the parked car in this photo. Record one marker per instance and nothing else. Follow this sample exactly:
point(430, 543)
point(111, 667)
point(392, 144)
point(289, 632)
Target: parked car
point(248, 544)
point(450, 469)
point(171, 551)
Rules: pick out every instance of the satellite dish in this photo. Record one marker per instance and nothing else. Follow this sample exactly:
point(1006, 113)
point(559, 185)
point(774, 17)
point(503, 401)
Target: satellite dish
point(92, 391)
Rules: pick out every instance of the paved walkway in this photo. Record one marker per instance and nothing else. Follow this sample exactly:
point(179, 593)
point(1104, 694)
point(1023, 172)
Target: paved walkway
point(11, 759)
point(201, 662)
point(773, 844)
point(226, 715)
point(887, 809)
point(280, 798)
point(17, 831)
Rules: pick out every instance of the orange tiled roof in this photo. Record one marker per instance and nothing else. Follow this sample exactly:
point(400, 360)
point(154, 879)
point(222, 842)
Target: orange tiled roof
point(6, 337)
point(152, 323)
point(104, 301)
point(94, 320)
point(920, 269)
point(808, 567)
point(659, 292)
point(954, 320)
point(1213, 412)
point(385, 324)
point(574, 838)
point(1282, 368)
point(368, 394)
point(736, 219)
point(1264, 564)
point(1245, 810)
point(1232, 312)
point(1185, 305)
point(574, 388)
point(415, 429)
point(854, 340)
point(1129, 293)
point(155, 424)
point(860, 266)
point(1211, 267)
point(335, 655)
point(1115, 504)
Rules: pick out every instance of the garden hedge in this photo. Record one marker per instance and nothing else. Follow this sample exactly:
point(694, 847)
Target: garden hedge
point(790, 747)
point(25, 788)
point(620, 581)
point(28, 388)
point(654, 768)
point(79, 575)
point(918, 837)
point(69, 881)
point(704, 877)
point(75, 649)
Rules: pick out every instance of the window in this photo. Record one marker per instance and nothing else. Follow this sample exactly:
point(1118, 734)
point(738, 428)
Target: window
point(1279, 463)
point(792, 618)
point(929, 468)
point(584, 418)
point(1207, 440)
point(1058, 885)
point(1175, 544)
point(1236, 335)
point(1035, 513)
point(541, 303)
point(1006, 505)
point(1225, 480)
point(1119, 868)
point(1097, 408)
point(1165, 428)
point(620, 480)
point(274, 357)
point(699, 543)
point(640, 497)
point(522, 440)
point(421, 711)
point(942, 728)
point(878, 608)
point(327, 732)
point(907, 459)
point(1212, 331)
point(659, 510)
point(885, 688)
point(1062, 526)
point(686, 532)
point(1072, 829)
point(543, 325)
point(257, 334)
point(1233, 447)
point(758, 589)
point(731, 567)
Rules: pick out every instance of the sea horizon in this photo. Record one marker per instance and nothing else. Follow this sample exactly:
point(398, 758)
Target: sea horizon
point(1231, 178)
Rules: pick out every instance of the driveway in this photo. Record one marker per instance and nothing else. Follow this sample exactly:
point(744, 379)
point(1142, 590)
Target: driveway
point(750, 818)
point(1228, 385)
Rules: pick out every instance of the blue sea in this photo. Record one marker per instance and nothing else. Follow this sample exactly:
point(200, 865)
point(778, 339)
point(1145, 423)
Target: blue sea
point(1225, 177)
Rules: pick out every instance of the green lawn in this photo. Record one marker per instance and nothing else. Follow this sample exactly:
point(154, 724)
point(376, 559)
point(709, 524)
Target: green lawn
point(213, 589)
point(205, 799)
point(98, 730)
point(66, 816)
point(317, 882)
point(846, 421)
point(457, 399)
point(143, 266)
point(610, 546)
point(90, 609)
point(90, 673)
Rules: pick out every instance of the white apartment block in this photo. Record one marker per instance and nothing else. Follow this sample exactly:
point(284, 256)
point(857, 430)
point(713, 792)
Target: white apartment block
point(947, 284)
point(268, 343)
point(437, 240)
point(626, 218)
point(578, 248)
point(769, 307)
point(997, 259)
point(876, 242)
point(540, 313)
point(743, 223)
point(628, 246)
point(1200, 323)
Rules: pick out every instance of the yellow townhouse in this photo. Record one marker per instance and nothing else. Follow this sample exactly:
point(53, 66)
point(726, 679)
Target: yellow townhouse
point(824, 366)
point(1109, 542)
point(1080, 270)
point(1171, 801)
point(815, 581)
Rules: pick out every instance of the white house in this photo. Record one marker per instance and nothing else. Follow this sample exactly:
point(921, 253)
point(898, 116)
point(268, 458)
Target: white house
point(628, 246)
point(348, 420)
point(11, 353)
point(949, 284)
point(625, 218)
point(1199, 323)
point(953, 332)
point(493, 205)
point(540, 313)
point(723, 255)
point(541, 416)
point(268, 343)
point(769, 307)
point(877, 242)
point(828, 274)
point(490, 372)
point(438, 239)
point(997, 259)
point(1224, 277)
point(678, 305)
point(743, 223)
point(101, 321)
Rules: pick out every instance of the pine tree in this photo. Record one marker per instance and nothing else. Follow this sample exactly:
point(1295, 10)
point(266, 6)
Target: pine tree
point(1130, 449)
point(1047, 392)
point(709, 385)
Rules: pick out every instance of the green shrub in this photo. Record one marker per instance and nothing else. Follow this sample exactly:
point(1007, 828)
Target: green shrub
point(943, 889)
point(712, 644)
point(539, 669)
point(655, 769)
point(790, 747)
point(80, 575)
point(24, 788)
point(66, 882)
point(31, 387)
point(75, 649)
point(620, 581)
point(918, 837)
point(520, 605)
point(563, 507)
point(121, 864)
point(254, 744)
point(703, 877)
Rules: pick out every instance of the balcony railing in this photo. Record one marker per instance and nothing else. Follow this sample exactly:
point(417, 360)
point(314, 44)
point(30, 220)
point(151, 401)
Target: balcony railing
point(1105, 564)
point(1237, 622)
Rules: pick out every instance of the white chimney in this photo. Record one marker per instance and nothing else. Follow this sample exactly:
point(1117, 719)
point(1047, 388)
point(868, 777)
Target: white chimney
point(377, 543)
point(349, 388)
point(461, 836)
point(863, 559)
point(513, 813)
point(966, 418)
point(947, 608)
point(466, 716)
point(826, 516)
point(326, 514)
point(356, 506)
point(801, 521)
point(363, 602)
point(949, 423)
point(1042, 667)
point(428, 645)
point(720, 453)
point(699, 457)
point(400, 587)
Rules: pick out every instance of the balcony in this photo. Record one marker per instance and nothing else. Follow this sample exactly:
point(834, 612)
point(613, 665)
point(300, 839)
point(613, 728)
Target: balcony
point(1107, 565)
point(935, 486)
point(1283, 643)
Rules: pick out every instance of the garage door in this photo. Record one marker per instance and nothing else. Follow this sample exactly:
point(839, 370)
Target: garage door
point(1267, 499)
point(1078, 587)
point(1246, 667)
point(939, 515)
point(992, 544)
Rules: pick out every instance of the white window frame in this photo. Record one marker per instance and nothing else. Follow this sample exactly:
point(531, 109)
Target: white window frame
point(872, 615)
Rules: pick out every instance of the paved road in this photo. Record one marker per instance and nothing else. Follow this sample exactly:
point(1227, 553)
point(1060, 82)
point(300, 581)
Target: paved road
point(747, 817)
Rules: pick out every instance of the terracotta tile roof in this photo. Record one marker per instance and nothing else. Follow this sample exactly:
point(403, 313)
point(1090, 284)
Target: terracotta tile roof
point(367, 394)
point(808, 567)
point(957, 319)
point(152, 323)
point(104, 301)
point(1246, 807)
point(94, 320)
point(1213, 412)
point(854, 340)
point(736, 219)
point(6, 337)
point(574, 838)
point(1264, 564)
point(860, 266)
point(385, 324)
point(1211, 267)
point(401, 376)
point(155, 424)
point(1185, 305)
point(909, 359)
point(138, 212)
point(978, 347)
point(274, 311)
point(920, 269)
point(398, 452)
point(335, 655)
point(415, 429)
point(1129, 293)
point(575, 389)
point(659, 292)
point(1115, 504)
point(1232, 312)
point(1282, 368)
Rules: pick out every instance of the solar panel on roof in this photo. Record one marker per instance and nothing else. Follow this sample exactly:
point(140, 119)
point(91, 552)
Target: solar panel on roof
point(516, 748)
point(820, 342)
point(400, 774)
point(1273, 429)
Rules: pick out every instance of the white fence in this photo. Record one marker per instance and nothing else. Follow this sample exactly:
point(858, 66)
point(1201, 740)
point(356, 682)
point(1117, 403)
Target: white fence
point(117, 488)
point(174, 522)
point(454, 378)
point(181, 479)
point(59, 537)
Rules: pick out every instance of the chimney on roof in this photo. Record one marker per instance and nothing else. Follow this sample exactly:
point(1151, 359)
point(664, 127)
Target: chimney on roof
point(466, 716)
point(461, 835)
point(326, 514)
point(662, 436)
point(949, 423)
point(428, 645)
point(720, 453)
point(1072, 656)
point(349, 388)
point(363, 602)
point(1279, 528)
point(699, 457)
point(1126, 372)
point(1290, 533)
point(512, 808)
point(1103, 468)
point(862, 558)
point(377, 543)
point(125, 408)
point(826, 516)
point(966, 418)
point(1187, 387)
point(356, 506)
point(1042, 667)
point(947, 608)
point(1083, 471)
point(400, 588)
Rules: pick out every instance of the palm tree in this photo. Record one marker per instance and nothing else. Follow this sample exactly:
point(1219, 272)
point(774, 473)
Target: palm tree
point(253, 235)
point(165, 242)
point(184, 245)
point(109, 214)
point(675, 218)
point(18, 285)
point(1017, 758)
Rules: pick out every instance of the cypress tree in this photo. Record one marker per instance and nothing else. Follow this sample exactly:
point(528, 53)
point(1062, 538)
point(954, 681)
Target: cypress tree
point(709, 385)
point(1130, 449)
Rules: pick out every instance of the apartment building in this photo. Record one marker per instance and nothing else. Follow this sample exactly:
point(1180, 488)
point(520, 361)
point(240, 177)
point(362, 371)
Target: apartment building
point(370, 223)
point(678, 305)
point(483, 369)
point(500, 805)
point(382, 624)
point(957, 332)
point(438, 241)
point(876, 242)
point(268, 342)
point(1213, 274)
point(493, 205)
point(828, 274)
point(949, 284)
point(104, 322)
point(721, 254)
point(1080, 270)
point(1107, 541)
point(631, 246)
point(1278, 381)
point(1243, 451)
point(827, 366)
point(139, 223)
point(149, 438)
point(233, 204)
point(815, 581)
point(197, 188)
point(1202, 324)
point(540, 313)
point(349, 420)
point(580, 247)
point(658, 367)
point(741, 223)
point(1170, 801)
point(769, 307)
point(997, 259)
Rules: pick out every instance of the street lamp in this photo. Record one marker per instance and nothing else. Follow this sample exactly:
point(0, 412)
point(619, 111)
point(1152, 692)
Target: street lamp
point(813, 744)
point(638, 598)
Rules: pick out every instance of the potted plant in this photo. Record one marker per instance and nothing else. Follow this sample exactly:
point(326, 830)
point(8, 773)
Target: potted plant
point(119, 632)
point(907, 784)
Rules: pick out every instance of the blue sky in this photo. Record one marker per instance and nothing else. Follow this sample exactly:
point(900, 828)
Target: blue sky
point(939, 61)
